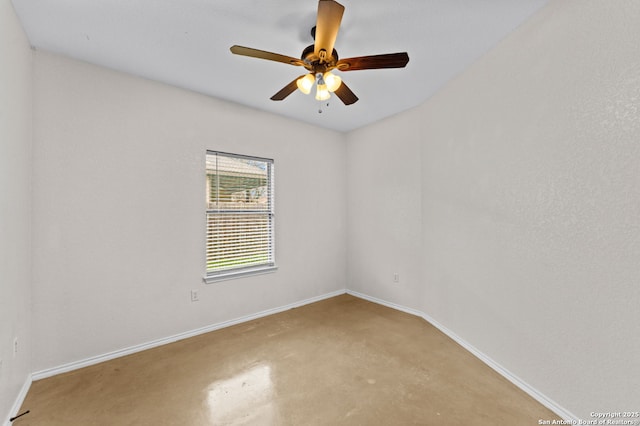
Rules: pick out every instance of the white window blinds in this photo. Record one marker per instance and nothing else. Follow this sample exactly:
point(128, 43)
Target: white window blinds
point(240, 214)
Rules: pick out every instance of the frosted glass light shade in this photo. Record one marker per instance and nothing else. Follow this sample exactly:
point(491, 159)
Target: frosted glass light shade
point(322, 94)
point(333, 81)
point(306, 83)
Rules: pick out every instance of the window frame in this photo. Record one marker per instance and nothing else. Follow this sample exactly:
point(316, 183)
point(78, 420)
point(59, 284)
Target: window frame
point(243, 271)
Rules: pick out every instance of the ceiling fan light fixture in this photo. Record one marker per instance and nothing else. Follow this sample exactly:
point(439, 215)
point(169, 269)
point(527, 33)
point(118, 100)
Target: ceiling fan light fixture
point(322, 93)
point(321, 57)
point(306, 83)
point(332, 81)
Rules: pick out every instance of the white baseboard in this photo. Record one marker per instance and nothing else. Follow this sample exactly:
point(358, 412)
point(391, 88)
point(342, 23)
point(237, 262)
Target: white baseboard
point(532, 392)
point(18, 402)
point(38, 375)
point(535, 394)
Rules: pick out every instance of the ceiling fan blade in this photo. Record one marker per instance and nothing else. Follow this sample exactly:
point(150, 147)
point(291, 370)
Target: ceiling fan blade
point(286, 90)
point(327, 27)
point(346, 95)
point(262, 54)
point(388, 60)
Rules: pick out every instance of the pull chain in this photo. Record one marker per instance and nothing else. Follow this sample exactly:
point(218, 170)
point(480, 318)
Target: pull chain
point(320, 107)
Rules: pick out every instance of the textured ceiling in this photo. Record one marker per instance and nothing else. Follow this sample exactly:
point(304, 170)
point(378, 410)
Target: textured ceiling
point(186, 43)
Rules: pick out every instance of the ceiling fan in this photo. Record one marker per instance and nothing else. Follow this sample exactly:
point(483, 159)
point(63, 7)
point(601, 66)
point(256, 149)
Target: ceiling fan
point(321, 58)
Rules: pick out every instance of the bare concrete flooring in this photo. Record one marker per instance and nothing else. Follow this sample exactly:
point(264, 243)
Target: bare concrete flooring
point(341, 361)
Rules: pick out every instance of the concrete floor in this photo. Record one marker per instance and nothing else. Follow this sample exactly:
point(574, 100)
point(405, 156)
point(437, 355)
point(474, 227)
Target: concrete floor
point(342, 361)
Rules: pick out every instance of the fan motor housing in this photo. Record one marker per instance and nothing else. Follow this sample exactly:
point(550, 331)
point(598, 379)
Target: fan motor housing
point(315, 64)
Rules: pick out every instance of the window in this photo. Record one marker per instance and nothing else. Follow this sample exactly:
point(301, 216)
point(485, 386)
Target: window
point(240, 215)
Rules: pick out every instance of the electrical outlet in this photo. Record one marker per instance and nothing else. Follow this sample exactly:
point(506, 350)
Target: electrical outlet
point(194, 296)
point(15, 347)
point(396, 277)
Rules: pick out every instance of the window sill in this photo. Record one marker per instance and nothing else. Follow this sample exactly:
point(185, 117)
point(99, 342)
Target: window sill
point(230, 275)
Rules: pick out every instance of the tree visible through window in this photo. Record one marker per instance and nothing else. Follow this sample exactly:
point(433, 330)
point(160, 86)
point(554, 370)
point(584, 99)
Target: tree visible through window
point(239, 214)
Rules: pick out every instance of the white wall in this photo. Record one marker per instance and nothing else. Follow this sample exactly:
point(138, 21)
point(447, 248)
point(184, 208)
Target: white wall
point(384, 224)
point(119, 210)
point(530, 194)
point(15, 206)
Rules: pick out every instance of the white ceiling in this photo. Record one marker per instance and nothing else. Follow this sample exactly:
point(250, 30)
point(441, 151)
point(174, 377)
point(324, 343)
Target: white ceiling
point(186, 43)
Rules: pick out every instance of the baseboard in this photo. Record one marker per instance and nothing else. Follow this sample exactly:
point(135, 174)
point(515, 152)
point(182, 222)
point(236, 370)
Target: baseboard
point(532, 392)
point(176, 337)
point(535, 394)
point(18, 402)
